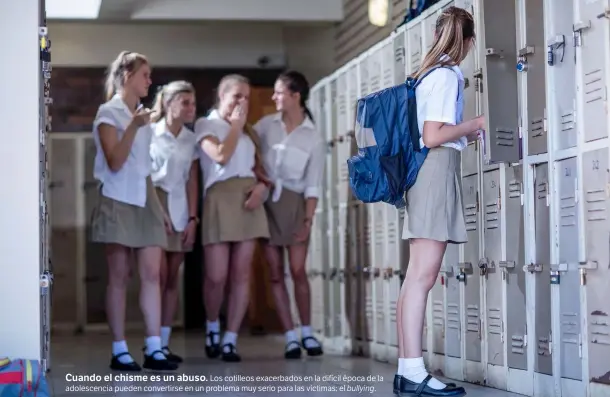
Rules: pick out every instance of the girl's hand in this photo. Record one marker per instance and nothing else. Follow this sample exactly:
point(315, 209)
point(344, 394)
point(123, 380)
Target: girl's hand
point(188, 237)
point(141, 118)
point(255, 196)
point(481, 123)
point(169, 229)
point(238, 116)
point(302, 234)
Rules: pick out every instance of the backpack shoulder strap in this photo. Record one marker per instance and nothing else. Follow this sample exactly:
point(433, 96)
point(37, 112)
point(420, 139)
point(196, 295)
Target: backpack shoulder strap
point(432, 69)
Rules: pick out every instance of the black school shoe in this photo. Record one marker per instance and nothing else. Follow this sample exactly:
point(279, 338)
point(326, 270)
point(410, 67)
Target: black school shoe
point(212, 351)
point(312, 351)
point(396, 385)
point(407, 388)
point(150, 362)
point(171, 356)
point(293, 351)
point(116, 365)
point(231, 355)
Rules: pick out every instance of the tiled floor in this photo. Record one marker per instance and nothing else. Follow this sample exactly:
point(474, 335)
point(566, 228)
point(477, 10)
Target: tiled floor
point(89, 355)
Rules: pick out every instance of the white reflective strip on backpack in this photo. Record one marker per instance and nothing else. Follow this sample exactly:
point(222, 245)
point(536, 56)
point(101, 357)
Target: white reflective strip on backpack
point(364, 136)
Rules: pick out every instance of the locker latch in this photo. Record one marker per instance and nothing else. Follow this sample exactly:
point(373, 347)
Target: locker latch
point(522, 64)
point(376, 272)
point(553, 45)
point(584, 266)
point(46, 280)
point(533, 267)
point(505, 265)
point(341, 275)
point(483, 266)
point(577, 29)
point(333, 273)
point(478, 77)
point(605, 14)
point(465, 267)
point(388, 272)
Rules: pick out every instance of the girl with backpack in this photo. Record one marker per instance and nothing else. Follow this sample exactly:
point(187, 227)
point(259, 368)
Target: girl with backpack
point(434, 212)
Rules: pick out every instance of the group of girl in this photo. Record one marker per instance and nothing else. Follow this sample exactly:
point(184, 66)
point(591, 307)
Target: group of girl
point(263, 183)
point(259, 183)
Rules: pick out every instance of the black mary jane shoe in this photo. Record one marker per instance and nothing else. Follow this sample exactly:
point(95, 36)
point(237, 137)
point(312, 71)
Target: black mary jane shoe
point(117, 365)
point(408, 388)
point(312, 351)
point(231, 355)
point(396, 385)
point(150, 362)
point(213, 351)
point(171, 356)
point(293, 351)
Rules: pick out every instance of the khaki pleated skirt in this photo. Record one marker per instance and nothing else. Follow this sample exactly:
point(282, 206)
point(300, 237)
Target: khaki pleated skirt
point(285, 218)
point(434, 203)
point(174, 240)
point(225, 218)
point(115, 222)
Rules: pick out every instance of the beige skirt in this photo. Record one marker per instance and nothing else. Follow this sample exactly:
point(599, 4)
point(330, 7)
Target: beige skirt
point(174, 240)
point(434, 203)
point(285, 218)
point(225, 218)
point(115, 222)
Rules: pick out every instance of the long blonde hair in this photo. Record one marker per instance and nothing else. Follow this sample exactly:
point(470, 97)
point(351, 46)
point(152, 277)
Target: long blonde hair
point(166, 94)
point(227, 82)
point(126, 63)
point(453, 27)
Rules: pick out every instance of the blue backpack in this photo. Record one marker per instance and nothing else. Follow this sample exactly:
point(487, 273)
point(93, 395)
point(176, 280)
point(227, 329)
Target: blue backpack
point(389, 155)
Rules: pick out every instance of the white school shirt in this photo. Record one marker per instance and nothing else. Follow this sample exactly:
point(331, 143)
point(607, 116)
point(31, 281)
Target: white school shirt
point(440, 98)
point(172, 157)
point(241, 162)
point(295, 160)
point(127, 185)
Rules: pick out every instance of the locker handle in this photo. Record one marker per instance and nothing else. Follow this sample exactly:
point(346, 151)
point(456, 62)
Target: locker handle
point(507, 264)
point(561, 267)
point(463, 266)
point(531, 268)
point(493, 52)
point(333, 273)
point(388, 273)
point(605, 14)
point(527, 50)
point(376, 272)
point(447, 269)
point(590, 265)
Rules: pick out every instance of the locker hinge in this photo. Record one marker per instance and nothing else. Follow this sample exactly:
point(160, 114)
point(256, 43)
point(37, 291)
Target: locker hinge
point(502, 332)
point(580, 345)
point(520, 128)
point(545, 127)
point(551, 343)
point(577, 30)
point(477, 202)
point(525, 336)
point(575, 190)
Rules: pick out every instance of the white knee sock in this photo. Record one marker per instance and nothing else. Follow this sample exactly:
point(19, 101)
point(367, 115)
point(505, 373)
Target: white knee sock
point(119, 347)
point(153, 344)
point(166, 332)
point(414, 370)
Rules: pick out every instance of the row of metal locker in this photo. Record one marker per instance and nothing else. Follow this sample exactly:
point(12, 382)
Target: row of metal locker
point(523, 306)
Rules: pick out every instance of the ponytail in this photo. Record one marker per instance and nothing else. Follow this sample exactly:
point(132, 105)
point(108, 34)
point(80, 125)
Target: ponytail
point(158, 110)
point(126, 63)
point(453, 27)
point(296, 82)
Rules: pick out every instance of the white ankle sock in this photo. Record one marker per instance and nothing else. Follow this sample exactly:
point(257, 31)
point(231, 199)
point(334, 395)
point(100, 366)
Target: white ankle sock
point(119, 347)
point(306, 332)
point(414, 370)
point(166, 332)
point(229, 338)
point(153, 344)
point(401, 366)
point(291, 339)
point(212, 326)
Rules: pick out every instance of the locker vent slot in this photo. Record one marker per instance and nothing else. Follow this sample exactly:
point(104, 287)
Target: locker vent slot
point(514, 189)
point(491, 216)
point(570, 328)
point(438, 310)
point(470, 213)
point(567, 121)
point(472, 315)
point(594, 86)
point(494, 320)
point(596, 205)
point(568, 211)
point(364, 79)
point(505, 137)
point(353, 91)
point(537, 127)
point(541, 190)
point(453, 316)
point(600, 330)
point(388, 62)
point(544, 347)
point(375, 72)
point(517, 344)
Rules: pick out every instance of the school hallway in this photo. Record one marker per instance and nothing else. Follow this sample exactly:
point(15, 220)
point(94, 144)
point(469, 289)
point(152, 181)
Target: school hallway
point(261, 356)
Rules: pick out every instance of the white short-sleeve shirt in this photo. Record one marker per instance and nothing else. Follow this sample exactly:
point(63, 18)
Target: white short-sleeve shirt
point(172, 157)
point(295, 160)
point(240, 164)
point(437, 100)
point(127, 185)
